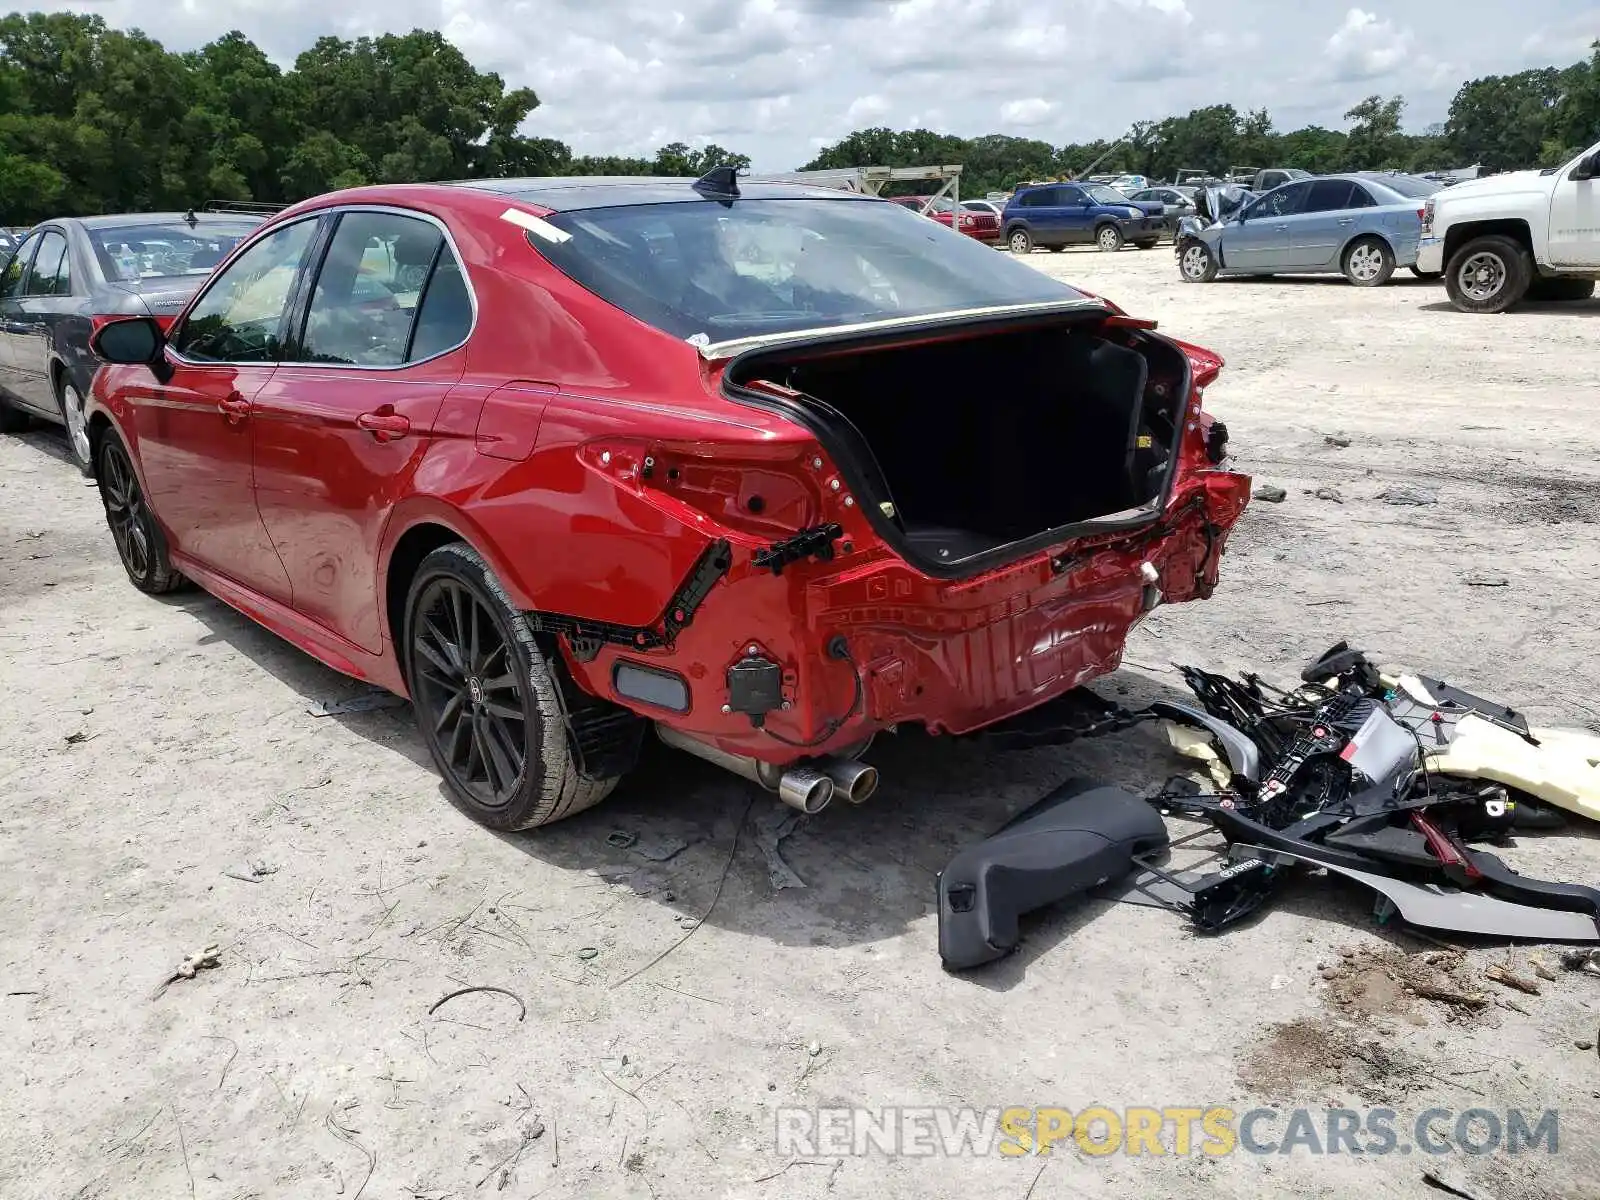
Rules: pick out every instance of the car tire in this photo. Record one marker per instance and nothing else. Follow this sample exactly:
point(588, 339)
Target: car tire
point(1426, 276)
point(1489, 274)
point(1196, 263)
point(13, 420)
point(1368, 262)
point(1561, 289)
point(1147, 244)
point(70, 400)
point(141, 545)
point(1019, 241)
point(1108, 238)
point(509, 726)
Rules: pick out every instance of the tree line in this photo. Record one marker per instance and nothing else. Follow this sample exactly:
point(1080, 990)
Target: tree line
point(1535, 118)
point(96, 119)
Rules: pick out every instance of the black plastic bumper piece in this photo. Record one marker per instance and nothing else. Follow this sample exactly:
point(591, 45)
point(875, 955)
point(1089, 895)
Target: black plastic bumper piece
point(1081, 835)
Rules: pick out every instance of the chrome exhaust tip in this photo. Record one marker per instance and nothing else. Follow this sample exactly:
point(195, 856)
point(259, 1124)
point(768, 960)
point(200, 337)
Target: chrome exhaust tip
point(856, 781)
point(805, 789)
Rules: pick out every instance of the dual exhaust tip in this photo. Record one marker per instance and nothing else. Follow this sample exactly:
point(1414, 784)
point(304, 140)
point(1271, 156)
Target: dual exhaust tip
point(811, 788)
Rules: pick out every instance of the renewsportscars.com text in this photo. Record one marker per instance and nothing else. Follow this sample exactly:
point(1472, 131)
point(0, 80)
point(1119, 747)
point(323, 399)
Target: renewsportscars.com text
point(1138, 1131)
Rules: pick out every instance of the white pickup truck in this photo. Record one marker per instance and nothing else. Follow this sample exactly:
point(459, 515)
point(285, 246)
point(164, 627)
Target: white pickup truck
point(1527, 235)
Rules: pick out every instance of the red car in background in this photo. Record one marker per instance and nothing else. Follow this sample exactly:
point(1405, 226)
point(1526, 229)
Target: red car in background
point(768, 468)
point(983, 226)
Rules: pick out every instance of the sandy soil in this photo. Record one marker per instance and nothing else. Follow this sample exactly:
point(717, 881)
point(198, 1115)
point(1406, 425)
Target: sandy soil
point(157, 755)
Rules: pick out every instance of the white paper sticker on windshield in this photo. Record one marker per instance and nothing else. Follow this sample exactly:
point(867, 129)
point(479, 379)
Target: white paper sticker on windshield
point(536, 225)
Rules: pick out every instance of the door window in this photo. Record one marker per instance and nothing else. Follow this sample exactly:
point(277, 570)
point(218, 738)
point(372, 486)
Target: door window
point(1360, 197)
point(1284, 202)
point(1328, 195)
point(240, 317)
point(49, 267)
point(389, 292)
point(1067, 195)
point(17, 269)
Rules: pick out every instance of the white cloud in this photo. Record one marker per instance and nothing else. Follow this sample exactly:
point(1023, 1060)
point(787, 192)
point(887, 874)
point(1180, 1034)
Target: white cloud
point(769, 78)
point(866, 110)
point(1365, 47)
point(1031, 111)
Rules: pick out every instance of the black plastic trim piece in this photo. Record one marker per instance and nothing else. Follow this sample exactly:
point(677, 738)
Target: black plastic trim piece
point(814, 542)
point(586, 637)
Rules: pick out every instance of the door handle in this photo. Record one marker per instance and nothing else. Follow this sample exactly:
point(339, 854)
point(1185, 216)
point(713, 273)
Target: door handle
point(1282, 229)
point(384, 426)
point(1347, 220)
point(234, 408)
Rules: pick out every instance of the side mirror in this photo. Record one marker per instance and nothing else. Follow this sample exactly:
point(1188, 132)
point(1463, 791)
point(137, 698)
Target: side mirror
point(137, 341)
point(1587, 167)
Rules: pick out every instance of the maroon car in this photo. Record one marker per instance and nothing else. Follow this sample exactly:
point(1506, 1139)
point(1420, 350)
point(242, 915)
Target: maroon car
point(983, 226)
point(768, 468)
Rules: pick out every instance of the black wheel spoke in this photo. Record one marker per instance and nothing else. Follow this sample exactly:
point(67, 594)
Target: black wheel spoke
point(500, 754)
point(438, 656)
point(467, 682)
point(451, 711)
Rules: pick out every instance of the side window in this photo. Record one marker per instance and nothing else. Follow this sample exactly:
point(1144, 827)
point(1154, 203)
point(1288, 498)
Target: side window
point(1328, 195)
point(1284, 202)
point(389, 292)
point(1066, 195)
point(1360, 197)
point(17, 269)
point(241, 314)
point(48, 266)
point(1029, 199)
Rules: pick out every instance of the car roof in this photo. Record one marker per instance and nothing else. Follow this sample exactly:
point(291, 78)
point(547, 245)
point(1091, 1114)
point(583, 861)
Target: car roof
point(109, 220)
point(567, 193)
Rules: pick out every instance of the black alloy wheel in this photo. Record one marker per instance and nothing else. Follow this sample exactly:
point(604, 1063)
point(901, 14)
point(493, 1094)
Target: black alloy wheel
point(140, 545)
point(467, 683)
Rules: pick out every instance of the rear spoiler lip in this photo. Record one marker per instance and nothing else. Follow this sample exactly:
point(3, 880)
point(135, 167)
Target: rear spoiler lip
point(734, 347)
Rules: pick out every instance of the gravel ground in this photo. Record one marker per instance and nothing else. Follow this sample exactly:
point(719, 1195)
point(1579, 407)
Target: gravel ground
point(167, 790)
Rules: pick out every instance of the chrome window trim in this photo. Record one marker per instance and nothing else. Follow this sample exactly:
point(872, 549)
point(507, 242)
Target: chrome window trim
point(339, 210)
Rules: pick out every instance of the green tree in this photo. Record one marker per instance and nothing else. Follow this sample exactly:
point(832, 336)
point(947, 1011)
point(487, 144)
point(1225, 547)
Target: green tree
point(1374, 141)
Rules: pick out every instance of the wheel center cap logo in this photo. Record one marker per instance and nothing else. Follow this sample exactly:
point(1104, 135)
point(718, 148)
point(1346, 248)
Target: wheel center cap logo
point(475, 690)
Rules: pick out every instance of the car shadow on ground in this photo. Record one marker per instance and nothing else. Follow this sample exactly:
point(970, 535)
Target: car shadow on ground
point(1568, 308)
point(692, 838)
point(1401, 279)
point(50, 440)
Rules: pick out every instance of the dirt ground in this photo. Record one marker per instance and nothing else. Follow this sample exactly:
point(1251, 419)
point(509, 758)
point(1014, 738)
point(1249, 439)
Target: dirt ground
point(166, 789)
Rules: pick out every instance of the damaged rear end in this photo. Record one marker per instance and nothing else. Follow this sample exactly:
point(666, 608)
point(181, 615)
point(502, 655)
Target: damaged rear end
point(914, 481)
point(1013, 495)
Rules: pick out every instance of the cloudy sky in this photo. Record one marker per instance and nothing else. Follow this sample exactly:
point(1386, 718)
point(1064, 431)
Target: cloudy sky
point(775, 79)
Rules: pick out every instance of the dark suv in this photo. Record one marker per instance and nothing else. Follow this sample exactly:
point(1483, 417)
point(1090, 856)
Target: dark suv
point(1054, 215)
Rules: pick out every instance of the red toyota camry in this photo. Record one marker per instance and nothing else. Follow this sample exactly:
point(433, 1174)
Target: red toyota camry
point(770, 468)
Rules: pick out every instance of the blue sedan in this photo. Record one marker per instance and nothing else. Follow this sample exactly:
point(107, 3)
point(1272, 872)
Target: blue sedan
point(1362, 225)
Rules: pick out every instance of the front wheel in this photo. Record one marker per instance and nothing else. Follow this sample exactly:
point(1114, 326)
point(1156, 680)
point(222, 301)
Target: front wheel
point(1196, 263)
point(1108, 238)
point(1369, 263)
point(1489, 274)
point(140, 543)
point(487, 700)
point(1020, 242)
point(71, 401)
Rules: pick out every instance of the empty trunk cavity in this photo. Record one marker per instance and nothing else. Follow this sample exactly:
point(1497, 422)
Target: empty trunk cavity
point(978, 448)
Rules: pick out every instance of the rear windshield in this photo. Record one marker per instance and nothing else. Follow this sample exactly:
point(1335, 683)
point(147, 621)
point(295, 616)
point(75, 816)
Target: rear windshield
point(1412, 187)
point(725, 271)
point(128, 253)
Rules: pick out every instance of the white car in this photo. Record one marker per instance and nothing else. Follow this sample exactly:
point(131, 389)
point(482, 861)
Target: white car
point(1526, 235)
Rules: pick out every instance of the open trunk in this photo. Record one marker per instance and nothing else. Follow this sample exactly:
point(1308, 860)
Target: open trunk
point(982, 445)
